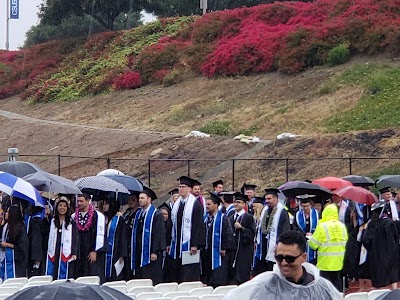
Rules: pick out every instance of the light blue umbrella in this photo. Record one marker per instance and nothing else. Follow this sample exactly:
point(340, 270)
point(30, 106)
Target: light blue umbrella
point(17, 187)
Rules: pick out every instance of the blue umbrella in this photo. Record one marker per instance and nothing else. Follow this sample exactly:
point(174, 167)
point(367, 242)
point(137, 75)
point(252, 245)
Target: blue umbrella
point(17, 187)
point(131, 183)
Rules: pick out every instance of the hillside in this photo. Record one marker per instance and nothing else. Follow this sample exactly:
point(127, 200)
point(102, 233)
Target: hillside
point(262, 70)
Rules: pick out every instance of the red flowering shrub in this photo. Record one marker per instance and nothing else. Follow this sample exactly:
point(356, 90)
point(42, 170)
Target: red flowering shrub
point(127, 80)
point(158, 57)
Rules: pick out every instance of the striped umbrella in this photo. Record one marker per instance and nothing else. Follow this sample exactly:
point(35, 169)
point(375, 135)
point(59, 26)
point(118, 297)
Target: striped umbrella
point(100, 183)
point(17, 187)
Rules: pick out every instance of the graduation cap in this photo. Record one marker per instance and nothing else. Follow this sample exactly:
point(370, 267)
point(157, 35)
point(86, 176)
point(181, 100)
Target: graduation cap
point(164, 205)
point(215, 183)
point(240, 197)
point(173, 192)
point(246, 187)
point(186, 181)
point(384, 190)
point(227, 196)
point(217, 200)
point(195, 182)
point(306, 198)
point(149, 192)
point(272, 191)
point(258, 200)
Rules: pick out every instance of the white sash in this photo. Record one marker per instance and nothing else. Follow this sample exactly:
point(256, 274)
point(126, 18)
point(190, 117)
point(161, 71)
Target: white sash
point(66, 239)
point(100, 232)
point(272, 236)
point(393, 208)
point(186, 222)
point(342, 211)
point(259, 225)
point(3, 238)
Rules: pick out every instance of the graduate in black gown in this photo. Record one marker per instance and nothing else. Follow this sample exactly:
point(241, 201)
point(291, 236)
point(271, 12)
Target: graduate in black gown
point(63, 242)
point(148, 239)
point(92, 246)
point(244, 229)
point(165, 211)
point(34, 231)
point(116, 240)
point(14, 245)
point(129, 216)
point(219, 242)
point(45, 231)
point(381, 239)
point(187, 232)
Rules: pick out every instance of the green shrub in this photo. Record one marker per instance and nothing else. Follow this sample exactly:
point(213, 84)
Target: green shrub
point(217, 128)
point(173, 77)
point(339, 55)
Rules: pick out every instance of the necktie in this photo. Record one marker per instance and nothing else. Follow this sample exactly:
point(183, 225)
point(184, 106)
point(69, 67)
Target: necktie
point(236, 218)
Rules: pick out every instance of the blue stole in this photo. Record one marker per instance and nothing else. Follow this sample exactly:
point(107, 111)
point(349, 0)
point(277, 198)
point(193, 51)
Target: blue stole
point(146, 238)
point(28, 218)
point(7, 266)
point(301, 222)
point(258, 252)
point(230, 209)
point(112, 229)
point(216, 240)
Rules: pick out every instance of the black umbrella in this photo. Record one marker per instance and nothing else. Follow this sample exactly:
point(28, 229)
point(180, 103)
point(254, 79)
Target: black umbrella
point(296, 188)
point(131, 183)
point(392, 295)
point(69, 291)
point(19, 168)
point(357, 180)
point(388, 180)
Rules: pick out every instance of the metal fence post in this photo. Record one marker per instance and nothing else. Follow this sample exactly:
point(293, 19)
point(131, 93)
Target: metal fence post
point(148, 171)
point(287, 169)
point(59, 164)
point(233, 174)
point(188, 167)
point(350, 166)
point(108, 163)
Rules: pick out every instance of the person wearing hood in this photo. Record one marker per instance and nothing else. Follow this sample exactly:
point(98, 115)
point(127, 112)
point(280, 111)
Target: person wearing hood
point(292, 277)
point(329, 239)
point(381, 240)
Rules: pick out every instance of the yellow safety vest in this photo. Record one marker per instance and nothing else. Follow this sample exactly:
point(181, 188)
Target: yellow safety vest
point(329, 239)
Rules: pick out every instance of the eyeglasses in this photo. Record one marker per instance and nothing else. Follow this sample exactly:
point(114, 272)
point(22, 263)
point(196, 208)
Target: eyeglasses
point(289, 259)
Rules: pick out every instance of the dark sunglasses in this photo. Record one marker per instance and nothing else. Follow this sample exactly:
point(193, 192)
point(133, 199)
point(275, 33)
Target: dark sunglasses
point(289, 259)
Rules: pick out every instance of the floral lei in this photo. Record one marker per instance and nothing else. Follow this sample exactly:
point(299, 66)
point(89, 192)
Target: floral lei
point(267, 229)
point(85, 222)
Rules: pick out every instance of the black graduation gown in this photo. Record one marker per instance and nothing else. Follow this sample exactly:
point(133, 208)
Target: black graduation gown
point(74, 251)
point(168, 261)
point(21, 253)
point(153, 270)
point(381, 239)
point(120, 249)
point(129, 216)
point(260, 266)
point(45, 229)
point(241, 258)
point(219, 276)
point(35, 246)
point(190, 272)
point(87, 243)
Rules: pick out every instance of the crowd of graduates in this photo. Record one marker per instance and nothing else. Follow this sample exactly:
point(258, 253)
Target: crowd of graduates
point(224, 238)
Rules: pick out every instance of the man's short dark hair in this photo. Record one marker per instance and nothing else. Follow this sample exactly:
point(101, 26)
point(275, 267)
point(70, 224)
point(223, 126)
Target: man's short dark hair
point(86, 196)
point(294, 237)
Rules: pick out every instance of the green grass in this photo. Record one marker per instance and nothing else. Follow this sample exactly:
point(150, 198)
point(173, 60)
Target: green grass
point(180, 113)
point(217, 128)
point(380, 104)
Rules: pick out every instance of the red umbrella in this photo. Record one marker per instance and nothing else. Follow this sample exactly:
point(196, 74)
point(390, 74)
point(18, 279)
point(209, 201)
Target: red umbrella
point(357, 194)
point(332, 183)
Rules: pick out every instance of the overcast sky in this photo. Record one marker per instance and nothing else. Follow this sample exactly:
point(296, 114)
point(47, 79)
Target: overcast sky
point(27, 18)
point(18, 28)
